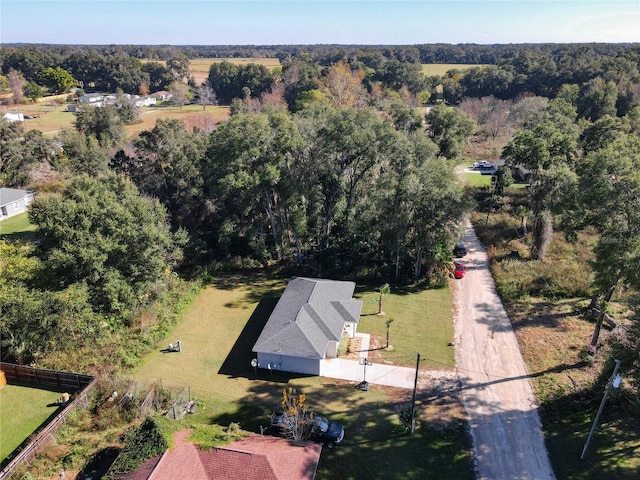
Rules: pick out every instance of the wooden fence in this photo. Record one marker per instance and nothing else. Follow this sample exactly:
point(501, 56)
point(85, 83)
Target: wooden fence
point(45, 378)
point(75, 382)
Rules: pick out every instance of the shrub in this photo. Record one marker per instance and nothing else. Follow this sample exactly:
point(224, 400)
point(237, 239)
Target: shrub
point(143, 443)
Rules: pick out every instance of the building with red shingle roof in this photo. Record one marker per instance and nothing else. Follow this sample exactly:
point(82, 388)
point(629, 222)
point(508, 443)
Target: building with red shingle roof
point(255, 457)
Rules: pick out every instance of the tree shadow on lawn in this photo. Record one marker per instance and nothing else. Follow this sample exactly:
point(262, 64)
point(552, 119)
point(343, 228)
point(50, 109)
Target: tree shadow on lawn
point(366, 288)
point(567, 421)
point(260, 285)
point(373, 434)
point(339, 401)
point(238, 361)
point(491, 315)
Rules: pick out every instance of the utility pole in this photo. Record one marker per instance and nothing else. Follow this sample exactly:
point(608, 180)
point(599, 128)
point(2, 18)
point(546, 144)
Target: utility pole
point(614, 382)
point(413, 400)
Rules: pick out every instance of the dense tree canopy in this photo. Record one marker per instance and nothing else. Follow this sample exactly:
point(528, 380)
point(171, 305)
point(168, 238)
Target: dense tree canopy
point(102, 234)
point(450, 129)
point(58, 80)
point(104, 123)
point(229, 80)
point(546, 150)
point(20, 151)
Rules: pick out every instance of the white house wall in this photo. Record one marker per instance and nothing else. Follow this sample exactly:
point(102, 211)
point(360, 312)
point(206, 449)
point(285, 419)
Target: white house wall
point(350, 329)
point(15, 208)
point(284, 363)
point(332, 350)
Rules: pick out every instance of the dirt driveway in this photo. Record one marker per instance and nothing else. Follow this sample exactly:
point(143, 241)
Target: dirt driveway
point(495, 387)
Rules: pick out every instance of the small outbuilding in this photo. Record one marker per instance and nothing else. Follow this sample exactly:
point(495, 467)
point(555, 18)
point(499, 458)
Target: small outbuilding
point(307, 324)
point(14, 116)
point(14, 201)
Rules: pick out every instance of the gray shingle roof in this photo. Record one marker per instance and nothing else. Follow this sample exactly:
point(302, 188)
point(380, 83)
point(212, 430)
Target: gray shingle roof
point(10, 195)
point(311, 313)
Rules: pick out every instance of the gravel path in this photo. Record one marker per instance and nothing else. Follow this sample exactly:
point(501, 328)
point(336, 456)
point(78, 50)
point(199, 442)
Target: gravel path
point(496, 391)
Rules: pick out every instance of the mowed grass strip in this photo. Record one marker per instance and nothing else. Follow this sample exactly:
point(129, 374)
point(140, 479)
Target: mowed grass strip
point(422, 323)
point(440, 69)
point(22, 410)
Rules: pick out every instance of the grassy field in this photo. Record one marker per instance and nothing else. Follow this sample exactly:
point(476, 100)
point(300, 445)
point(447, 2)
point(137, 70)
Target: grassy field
point(217, 334)
point(23, 409)
point(475, 179)
point(49, 119)
point(191, 115)
point(200, 66)
point(17, 228)
point(440, 69)
point(57, 118)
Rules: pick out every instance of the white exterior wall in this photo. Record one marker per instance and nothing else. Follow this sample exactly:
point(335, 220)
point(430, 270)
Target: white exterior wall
point(350, 329)
point(332, 350)
point(15, 208)
point(285, 363)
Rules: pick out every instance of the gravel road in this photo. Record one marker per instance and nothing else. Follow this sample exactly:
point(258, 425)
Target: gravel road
point(497, 394)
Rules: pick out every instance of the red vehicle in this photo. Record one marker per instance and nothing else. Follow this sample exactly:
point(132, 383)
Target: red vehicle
point(458, 269)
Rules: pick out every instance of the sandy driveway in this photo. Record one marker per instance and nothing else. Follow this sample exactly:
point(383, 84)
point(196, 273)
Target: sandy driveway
point(496, 391)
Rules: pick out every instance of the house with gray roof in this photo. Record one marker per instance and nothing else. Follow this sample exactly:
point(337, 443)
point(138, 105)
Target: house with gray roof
point(307, 324)
point(14, 201)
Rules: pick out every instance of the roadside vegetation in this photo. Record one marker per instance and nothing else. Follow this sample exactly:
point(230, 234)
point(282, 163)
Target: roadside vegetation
point(548, 304)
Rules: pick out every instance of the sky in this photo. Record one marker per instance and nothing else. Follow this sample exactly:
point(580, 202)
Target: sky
point(289, 22)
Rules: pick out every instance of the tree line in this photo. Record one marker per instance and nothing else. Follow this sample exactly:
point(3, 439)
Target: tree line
point(587, 71)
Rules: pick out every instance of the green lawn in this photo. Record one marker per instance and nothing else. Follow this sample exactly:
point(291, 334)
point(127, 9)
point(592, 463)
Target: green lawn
point(22, 410)
point(476, 179)
point(17, 228)
point(217, 334)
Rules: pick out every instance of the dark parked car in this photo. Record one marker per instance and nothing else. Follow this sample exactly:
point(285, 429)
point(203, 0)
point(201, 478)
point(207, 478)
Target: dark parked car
point(318, 428)
point(460, 250)
point(459, 269)
point(330, 433)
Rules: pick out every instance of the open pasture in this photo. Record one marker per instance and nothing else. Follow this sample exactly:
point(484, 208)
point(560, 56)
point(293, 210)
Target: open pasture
point(430, 69)
point(200, 66)
point(53, 118)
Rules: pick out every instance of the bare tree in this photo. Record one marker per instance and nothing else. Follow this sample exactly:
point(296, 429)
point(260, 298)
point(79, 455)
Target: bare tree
point(294, 420)
point(179, 93)
point(206, 95)
point(16, 85)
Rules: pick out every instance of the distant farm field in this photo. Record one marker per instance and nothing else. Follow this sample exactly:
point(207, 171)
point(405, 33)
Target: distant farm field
point(51, 119)
point(200, 66)
point(440, 69)
point(190, 115)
